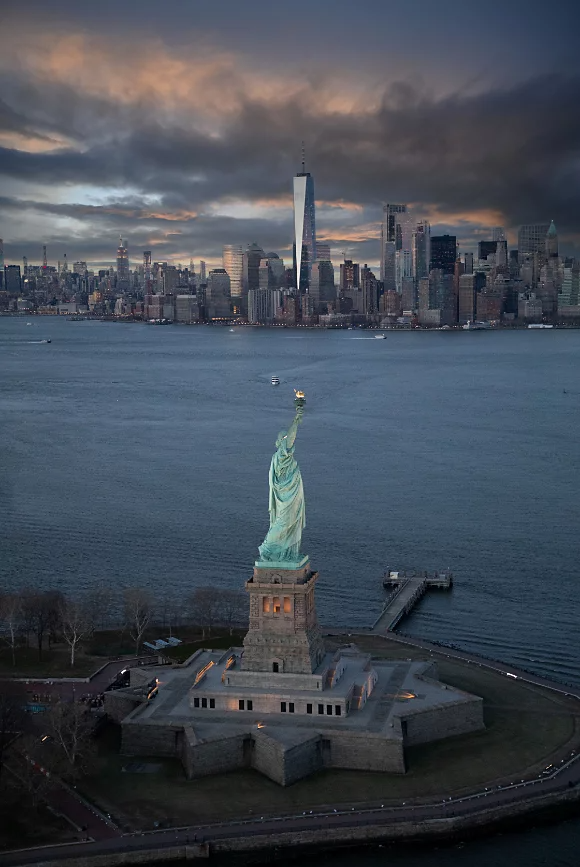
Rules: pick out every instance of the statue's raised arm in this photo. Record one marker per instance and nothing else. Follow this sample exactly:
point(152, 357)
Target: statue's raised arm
point(286, 503)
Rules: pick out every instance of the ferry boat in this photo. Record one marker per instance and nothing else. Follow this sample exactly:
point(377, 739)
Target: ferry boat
point(380, 336)
point(476, 326)
point(275, 380)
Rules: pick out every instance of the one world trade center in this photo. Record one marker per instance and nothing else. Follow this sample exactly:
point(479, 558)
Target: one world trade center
point(304, 228)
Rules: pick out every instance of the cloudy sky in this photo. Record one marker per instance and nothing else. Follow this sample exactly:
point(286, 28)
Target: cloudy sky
point(178, 123)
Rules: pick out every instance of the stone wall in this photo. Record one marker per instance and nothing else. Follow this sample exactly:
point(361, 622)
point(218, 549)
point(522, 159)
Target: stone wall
point(302, 760)
point(119, 706)
point(362, 751)
point(141, 738)
point(200, 759)
point(442, 722)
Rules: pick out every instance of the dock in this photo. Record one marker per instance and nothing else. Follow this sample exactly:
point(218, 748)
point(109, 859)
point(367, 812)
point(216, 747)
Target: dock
point(405, 591)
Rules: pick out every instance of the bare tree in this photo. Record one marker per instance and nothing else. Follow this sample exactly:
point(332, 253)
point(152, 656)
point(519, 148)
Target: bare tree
point(75, 623)
point(233, 608)
point(100, 601)
point(38, 610)
point(12, 715)
point(10, 616)
point(138, 607)
point(204, 603)
point(70, 746)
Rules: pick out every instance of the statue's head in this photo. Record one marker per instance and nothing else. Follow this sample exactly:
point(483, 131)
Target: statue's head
point(281, 437)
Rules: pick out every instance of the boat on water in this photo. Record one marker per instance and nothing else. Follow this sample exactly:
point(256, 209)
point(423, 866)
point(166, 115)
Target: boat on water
point(539, 325)
point(380, 336)
point(275, 380)
point(476, 326)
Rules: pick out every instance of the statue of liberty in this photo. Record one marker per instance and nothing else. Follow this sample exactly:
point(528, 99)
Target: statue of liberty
point(281, 547)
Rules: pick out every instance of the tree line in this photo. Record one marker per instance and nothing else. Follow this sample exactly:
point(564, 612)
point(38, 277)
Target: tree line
point(45, 617)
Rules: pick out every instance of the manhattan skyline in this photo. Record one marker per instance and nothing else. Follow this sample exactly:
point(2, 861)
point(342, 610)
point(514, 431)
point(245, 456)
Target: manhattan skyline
point(180, 132)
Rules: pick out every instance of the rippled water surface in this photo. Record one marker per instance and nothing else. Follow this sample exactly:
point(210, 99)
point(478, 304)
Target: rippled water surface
point(136, 454)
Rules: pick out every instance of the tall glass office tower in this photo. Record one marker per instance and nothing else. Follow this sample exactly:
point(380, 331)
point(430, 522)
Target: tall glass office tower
point(304, 228)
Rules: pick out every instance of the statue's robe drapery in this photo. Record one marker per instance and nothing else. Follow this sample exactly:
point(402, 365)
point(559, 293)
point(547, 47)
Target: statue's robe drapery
point(286, 506)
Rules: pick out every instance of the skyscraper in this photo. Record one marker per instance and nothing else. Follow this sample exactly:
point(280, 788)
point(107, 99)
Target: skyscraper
point(396, 229)
point(322, 252)
point(552, 242)
point(251, 268)
point(421, 247)
point(532, 238)
point(123, 273)
point(12, 280)
point(304, 227)
point(218, 294)
point(147, 276)
point(443, 253)
point(233, 263)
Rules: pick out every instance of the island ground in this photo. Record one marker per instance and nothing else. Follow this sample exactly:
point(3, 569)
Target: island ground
point(527, 728)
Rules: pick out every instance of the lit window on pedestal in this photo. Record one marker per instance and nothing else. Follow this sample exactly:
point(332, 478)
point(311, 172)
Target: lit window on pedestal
point(266, 607)
point(241, 704)
point(277, 607)
point(196, 702)
point(204, 702)
point(320, 708)
point(329, 709)
point(250, 704)
point(291, 707)
point(212, 703)
point(308, 708)
point(287, 605)
point(283, 706)
point(338, 710)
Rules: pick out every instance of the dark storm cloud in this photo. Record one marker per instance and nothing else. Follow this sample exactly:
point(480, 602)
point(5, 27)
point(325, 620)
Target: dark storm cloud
point(155, 140)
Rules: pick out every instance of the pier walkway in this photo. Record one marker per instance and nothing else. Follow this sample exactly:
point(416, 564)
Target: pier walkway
point(406, 592)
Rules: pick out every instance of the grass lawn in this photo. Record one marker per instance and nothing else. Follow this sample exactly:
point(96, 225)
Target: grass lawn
point(24, 825)
point(54, 663)
point(527, 728)
point(103, 646)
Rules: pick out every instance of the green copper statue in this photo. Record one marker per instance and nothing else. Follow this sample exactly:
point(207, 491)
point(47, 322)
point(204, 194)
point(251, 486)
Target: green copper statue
point(281, 547)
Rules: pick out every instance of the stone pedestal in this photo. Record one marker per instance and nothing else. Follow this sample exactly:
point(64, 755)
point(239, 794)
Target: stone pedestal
point(283, 637)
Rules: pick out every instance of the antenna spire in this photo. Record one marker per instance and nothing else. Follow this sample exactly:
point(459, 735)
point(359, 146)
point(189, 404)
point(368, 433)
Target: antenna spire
point(303, 159)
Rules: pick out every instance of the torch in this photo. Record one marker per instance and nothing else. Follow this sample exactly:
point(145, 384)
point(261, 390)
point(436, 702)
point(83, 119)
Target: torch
point(299, 399)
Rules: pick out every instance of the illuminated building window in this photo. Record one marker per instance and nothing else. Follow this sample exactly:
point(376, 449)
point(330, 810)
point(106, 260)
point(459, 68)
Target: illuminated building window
point(277, 607)
point(283, 706)
point(320, 708)
point(338, 710)
point(196, 702)
point(291, 707)
point(287, 605)
point(329, 710)
point(212, 703)
point(204, 702)
point(250, 704)
point(266, 605)
point(241, 704)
